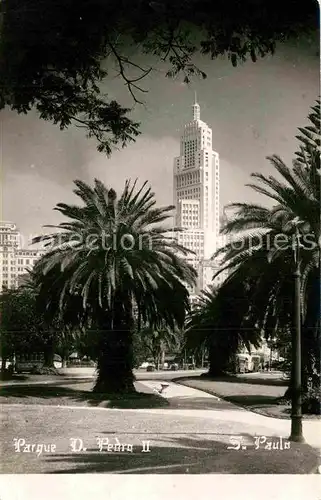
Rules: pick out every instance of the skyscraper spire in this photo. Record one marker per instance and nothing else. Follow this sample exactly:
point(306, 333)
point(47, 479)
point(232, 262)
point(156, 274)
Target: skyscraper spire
point(196, 108)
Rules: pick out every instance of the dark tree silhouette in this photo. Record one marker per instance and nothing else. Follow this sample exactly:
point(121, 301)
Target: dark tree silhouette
point(54, 54)
point(115, 254)
point(259, 253)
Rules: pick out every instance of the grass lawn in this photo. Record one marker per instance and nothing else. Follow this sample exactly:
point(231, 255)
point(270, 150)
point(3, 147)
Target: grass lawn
point(260, 395)
point(178, 444)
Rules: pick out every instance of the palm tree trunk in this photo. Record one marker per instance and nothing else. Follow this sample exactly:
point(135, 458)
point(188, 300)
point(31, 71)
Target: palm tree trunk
point(217, 362)
point(115, 363)
point(116, 360)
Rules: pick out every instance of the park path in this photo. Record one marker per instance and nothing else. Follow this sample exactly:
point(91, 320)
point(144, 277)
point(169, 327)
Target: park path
point(213, 407)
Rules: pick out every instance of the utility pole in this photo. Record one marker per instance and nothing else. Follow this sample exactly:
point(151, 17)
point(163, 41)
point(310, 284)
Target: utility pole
point(271, 350)
point(296, 414)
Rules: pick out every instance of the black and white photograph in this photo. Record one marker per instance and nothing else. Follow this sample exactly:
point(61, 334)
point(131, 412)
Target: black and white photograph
point(160, 243)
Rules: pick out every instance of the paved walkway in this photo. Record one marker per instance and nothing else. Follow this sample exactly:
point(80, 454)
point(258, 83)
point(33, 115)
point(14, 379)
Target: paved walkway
point(169, 390)
point(213, 407)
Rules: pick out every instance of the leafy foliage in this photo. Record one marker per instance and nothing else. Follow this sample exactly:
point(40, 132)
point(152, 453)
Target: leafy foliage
point(54, 54)
point(310, 138)
point(19, 324)
point(157, 342)
point(24, 328)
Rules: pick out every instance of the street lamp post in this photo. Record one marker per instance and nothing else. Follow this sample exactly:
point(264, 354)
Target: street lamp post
point(296, 414)
point(271, 350)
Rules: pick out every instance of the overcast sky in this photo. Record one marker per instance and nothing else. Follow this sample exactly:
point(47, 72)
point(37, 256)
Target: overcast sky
point(254, 111)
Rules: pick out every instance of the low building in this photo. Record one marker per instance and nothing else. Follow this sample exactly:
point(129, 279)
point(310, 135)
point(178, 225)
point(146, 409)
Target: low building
point(26, 259)
point(15, 262)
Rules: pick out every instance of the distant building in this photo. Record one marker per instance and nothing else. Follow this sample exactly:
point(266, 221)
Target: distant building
point(26, 259)
point(14, 261)
point(9, 243)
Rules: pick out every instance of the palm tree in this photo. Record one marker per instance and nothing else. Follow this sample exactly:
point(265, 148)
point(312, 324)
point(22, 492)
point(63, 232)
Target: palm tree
point(219, 323)
point(117, 257)
point(310, 137)
point(262, 248)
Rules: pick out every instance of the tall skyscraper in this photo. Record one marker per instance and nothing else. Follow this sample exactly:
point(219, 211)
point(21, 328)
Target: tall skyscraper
point(196, 197)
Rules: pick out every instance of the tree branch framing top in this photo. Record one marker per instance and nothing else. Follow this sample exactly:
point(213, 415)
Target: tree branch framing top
point(52, 51)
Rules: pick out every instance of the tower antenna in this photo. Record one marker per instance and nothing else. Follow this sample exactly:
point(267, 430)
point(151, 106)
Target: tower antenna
point(196, 108)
